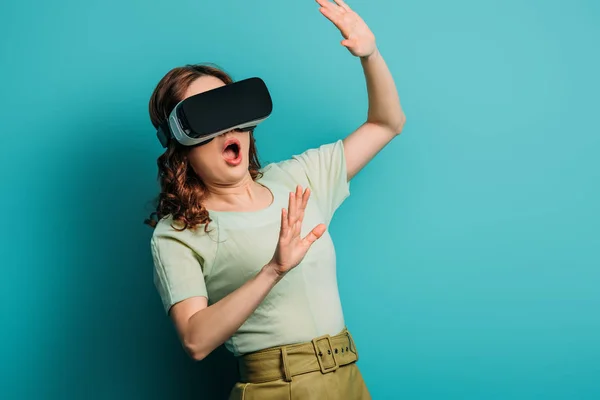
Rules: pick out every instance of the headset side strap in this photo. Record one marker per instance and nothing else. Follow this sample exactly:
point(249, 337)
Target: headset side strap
point(164, 134)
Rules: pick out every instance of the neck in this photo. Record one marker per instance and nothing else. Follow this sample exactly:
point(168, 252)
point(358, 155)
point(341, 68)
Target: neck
point(239, 195)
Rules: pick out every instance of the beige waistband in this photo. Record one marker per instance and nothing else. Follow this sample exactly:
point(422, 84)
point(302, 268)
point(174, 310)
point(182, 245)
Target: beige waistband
point(325, 354)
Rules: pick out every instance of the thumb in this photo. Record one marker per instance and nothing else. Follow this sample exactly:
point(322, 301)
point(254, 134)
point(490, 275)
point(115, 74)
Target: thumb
point(346, 42)
point(315, 234)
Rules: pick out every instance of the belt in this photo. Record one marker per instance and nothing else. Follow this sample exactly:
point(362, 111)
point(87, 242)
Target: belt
point(324, 353)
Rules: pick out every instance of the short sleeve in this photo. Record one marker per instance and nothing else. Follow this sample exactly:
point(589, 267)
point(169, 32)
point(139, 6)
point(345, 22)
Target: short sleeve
point(177, 271)
point(326, 171)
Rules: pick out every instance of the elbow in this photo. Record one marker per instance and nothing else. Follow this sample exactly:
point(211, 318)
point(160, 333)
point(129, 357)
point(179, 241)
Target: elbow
point(195, 351)
point(398, 125)
point(197, 356)
point(393, 125)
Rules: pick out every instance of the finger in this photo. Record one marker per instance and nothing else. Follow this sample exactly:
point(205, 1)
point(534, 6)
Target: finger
point(334, 15)
point(284, 222)
point(313, 235)
point(342, 4)
point(305, 198)
point(325, 3)
point(330, 5)
point(292, 210)
point(303, 204)
point(298, 199)
point(299, 213)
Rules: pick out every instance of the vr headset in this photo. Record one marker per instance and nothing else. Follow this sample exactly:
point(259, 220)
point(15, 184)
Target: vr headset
point(200, 118)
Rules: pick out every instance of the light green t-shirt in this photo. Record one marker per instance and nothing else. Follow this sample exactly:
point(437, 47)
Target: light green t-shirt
point(305, 304)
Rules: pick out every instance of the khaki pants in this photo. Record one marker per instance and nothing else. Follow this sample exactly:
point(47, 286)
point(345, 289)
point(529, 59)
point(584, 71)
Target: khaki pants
point(324, 368)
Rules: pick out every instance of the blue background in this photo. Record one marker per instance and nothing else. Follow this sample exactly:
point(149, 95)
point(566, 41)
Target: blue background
point(468, 251)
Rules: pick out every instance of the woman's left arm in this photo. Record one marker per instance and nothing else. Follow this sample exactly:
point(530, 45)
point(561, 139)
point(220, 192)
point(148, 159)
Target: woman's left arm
point(385, 118)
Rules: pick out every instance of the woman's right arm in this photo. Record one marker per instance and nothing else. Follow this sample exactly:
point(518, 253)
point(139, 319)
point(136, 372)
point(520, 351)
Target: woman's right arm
point(203, 328)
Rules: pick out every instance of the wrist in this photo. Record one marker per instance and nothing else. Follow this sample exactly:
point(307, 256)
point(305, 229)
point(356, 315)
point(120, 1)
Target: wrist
point(271, 272)
point(371, 56)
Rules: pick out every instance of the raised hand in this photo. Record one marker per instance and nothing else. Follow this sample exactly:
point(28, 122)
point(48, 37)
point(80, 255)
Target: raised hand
point(358, 38)
point(292, 248)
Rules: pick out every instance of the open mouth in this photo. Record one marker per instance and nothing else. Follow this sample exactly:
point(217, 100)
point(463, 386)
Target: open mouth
point(232, 151)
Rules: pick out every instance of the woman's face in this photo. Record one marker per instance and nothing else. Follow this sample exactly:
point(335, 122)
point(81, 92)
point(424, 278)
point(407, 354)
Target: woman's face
point(225, 159)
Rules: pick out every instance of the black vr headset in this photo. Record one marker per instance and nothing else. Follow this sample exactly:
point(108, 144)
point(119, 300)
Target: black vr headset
point(198, 119)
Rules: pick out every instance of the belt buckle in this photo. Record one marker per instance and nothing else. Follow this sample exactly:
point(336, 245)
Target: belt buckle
point(315, 342)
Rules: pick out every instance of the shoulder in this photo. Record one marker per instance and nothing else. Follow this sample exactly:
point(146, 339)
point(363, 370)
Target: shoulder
point(169, 237)
point(298, 165)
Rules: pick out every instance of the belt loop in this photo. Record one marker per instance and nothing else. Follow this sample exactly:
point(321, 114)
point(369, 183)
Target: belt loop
point(352, 344)
point(286, 369)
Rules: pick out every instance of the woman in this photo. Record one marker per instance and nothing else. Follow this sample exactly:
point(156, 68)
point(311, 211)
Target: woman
point(242, 255)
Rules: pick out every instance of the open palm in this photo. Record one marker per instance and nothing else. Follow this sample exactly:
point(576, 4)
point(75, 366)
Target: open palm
point(291, 247)
point(358, 38)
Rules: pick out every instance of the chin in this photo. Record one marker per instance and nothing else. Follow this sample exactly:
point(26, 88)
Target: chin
point(241, 170)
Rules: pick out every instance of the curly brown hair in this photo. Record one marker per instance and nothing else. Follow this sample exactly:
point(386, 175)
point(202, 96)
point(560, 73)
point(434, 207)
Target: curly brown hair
point(182, 190)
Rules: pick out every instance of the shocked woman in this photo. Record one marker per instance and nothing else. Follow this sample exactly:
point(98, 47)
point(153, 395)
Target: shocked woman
point(242, 253)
